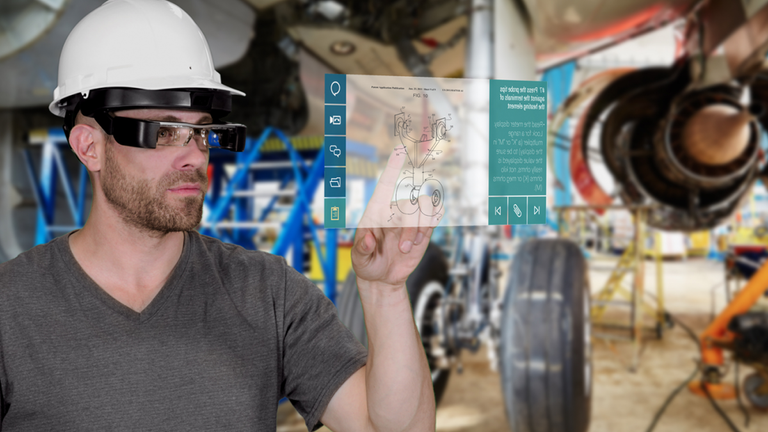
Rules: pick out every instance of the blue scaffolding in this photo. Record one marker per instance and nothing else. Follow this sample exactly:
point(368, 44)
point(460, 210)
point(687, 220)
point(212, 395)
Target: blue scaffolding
point(45, 183)
point(233, 215)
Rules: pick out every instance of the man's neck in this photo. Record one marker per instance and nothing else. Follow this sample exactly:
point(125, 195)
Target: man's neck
point(128, 263)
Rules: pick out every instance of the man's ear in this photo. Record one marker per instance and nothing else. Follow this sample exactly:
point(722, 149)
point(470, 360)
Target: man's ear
point(88, 144)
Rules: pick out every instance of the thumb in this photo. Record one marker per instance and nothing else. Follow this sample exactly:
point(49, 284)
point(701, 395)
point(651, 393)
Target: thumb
point(367, 243)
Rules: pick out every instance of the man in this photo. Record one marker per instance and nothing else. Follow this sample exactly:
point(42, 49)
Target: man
point(137, 322)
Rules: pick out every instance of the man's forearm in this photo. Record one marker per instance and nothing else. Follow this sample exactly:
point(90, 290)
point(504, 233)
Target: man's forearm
point(398, 382)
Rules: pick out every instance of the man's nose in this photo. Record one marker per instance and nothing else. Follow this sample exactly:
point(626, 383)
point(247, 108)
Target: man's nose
point(193, 156)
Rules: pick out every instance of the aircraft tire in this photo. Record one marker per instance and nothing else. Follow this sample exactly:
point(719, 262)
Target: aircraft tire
point(545, 350)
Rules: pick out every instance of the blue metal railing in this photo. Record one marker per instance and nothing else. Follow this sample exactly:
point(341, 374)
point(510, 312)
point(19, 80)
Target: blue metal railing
point(44, 186)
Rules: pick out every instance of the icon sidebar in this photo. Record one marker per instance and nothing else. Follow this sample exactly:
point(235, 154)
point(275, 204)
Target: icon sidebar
point(335, 151)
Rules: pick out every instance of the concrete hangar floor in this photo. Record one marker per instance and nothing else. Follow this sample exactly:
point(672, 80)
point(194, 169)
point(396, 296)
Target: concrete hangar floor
point(622, 401)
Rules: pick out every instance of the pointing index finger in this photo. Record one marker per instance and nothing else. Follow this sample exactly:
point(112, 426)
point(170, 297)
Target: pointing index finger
point(385, 187)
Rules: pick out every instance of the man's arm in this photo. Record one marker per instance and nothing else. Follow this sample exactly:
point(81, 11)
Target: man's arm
point(393, 392)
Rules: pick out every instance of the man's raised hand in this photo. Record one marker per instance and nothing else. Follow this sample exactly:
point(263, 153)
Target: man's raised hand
point(388, 244)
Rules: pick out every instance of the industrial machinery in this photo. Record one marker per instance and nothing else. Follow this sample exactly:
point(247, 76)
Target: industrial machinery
point(741, 331)
point(685, 140)
point(692, 150)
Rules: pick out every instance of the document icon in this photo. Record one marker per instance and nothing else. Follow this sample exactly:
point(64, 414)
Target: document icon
point(334, 213)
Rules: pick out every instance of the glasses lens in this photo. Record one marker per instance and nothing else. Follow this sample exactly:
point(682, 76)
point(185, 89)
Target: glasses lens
point(200, 137)
point(173, 136)
point(225, 136)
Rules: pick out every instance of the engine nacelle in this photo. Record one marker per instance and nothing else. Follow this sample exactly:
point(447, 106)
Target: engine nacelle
point(689, 154)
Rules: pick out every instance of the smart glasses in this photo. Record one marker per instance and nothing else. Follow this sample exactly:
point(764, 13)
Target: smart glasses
point(150, 134)
point(212, 136)
point(100, 103)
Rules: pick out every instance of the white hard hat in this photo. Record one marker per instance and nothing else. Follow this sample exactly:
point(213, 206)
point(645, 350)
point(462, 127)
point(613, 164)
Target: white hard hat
point(139, 44)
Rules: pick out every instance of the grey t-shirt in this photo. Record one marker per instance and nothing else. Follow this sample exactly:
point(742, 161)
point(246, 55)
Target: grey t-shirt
point(229, 334)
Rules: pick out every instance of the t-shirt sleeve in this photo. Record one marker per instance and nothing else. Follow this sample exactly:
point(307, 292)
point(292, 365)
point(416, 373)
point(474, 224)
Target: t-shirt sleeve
point(319, 354)
point(3, 410)
point(3, 404)
point(3, 386)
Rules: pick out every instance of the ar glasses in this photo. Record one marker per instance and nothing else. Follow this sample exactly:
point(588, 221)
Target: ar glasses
point(150, 134)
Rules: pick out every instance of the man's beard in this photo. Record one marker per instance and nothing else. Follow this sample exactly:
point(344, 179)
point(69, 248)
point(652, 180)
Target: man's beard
point(147, 208)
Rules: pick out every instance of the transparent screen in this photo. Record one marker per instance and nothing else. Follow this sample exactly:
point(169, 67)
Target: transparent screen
point(404, 151)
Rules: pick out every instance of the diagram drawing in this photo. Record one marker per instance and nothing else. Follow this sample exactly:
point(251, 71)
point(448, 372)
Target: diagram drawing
point(419, 180)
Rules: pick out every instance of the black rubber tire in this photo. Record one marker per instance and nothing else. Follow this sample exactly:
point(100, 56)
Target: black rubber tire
point(433, 267)
point(545, 351)
point(752, 382)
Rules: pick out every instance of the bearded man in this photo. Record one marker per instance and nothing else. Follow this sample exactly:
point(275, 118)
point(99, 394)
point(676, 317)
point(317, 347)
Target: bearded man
point(138, 322)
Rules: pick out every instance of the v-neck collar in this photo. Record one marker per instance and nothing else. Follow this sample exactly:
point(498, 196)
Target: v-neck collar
point(90, 285)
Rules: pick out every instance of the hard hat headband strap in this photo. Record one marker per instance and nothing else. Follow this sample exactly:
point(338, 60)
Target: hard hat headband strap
point(216, 102)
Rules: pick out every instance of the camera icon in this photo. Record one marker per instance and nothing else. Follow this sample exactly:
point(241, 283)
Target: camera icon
point(335, 120)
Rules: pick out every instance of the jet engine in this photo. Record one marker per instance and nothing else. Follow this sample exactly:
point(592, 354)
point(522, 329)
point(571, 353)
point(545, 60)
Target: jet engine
point(690, 152)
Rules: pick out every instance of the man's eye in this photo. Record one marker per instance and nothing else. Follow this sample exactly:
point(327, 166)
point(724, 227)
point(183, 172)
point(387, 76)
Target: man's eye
point(166, 136)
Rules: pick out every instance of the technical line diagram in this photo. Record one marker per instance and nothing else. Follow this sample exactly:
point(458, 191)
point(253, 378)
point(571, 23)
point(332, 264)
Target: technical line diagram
point(419, 180)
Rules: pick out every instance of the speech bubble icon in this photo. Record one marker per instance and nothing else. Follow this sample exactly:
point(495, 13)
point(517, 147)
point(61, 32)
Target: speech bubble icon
point(338, 88)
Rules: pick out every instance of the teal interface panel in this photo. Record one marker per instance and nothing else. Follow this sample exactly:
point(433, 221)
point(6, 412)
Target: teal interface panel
point(466, 152)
